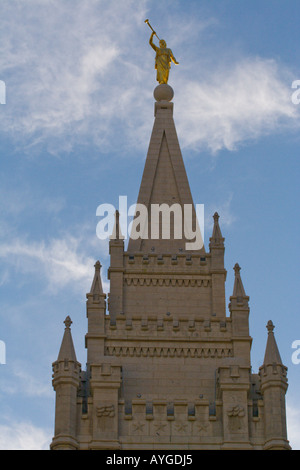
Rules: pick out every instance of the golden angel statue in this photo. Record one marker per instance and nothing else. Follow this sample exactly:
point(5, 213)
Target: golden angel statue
point(163, 59)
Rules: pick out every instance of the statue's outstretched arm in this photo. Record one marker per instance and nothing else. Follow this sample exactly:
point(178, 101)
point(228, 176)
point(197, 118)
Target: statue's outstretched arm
point(152, 43)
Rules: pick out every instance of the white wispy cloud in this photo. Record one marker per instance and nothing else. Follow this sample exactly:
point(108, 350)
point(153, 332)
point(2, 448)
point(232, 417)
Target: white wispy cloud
point(77, 75)
point(239, 101)
point(22, 435)
point(16, 201)
point(64, 67)
point(66, 260)
point(59, 261)
point(23, 377)
point(224, 209)
point(293, 420)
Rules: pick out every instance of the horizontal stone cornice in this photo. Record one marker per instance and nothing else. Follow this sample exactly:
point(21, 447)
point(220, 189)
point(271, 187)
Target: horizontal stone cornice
point(197, 342)
point(116, 269)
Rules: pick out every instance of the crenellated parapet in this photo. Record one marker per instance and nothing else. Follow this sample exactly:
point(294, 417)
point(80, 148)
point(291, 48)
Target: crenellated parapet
point(232, 418)
point(168, 326)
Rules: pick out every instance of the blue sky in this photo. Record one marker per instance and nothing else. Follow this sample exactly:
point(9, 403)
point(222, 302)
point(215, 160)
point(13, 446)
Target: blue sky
point(74, 133)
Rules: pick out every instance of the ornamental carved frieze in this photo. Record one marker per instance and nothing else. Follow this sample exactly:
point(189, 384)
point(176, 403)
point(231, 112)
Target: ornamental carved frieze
point(147, 281)
point(138, 351)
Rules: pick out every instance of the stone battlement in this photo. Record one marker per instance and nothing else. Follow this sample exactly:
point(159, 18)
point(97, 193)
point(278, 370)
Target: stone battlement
point(175, 261)
point(169, 326)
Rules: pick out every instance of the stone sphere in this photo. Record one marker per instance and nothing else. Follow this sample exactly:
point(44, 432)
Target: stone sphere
point(163, 92)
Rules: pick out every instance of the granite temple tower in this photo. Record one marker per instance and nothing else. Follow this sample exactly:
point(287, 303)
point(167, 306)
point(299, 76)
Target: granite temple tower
point(168, 365)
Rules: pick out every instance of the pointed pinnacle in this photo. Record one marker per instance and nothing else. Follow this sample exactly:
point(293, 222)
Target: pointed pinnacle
point(272, 355)
point(117, 234)
point(237, 269)
point(238, 288)
point(97, 266)
point(117, 225)
point(216, 239)
point(68, 322)
point(96, 287)
point(270, 326)
point(67, 351)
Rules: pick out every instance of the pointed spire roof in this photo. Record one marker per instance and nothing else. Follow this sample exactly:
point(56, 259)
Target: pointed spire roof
point(272, 355)
point(239, 300)
point(117, 234)
point(67, 350)
point(96, 288)
point(164, 179)
point(216, 239)
point(238, 288)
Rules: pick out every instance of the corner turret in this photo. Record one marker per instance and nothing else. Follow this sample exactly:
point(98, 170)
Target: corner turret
point(274, 384)
point(66, 378)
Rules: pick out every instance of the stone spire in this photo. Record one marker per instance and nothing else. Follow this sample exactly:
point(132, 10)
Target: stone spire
point(67, 350)
point(164, 181)
point(117, 234)
point(272, 355)
point(96, 288)
point(216, 239)
point(95, 312)
point(238, 288)
point(217, 250)
point(116, 269)
point(239, 306)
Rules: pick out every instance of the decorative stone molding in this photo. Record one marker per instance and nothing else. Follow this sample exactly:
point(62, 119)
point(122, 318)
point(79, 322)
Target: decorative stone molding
point(159, 282)
point(137, 351)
